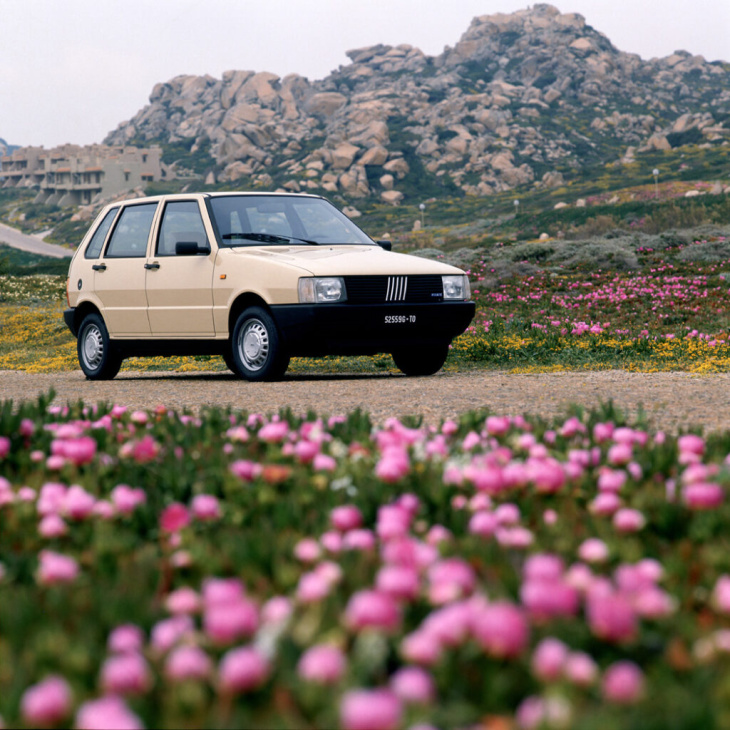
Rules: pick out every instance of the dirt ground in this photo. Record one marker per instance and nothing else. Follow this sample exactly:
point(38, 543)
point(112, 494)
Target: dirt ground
point(672, 401)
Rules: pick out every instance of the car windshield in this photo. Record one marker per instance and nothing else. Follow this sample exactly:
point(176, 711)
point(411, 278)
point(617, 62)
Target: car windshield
point(253, 220)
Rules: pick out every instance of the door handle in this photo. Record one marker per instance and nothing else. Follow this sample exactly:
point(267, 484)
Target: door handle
point(155, 266)
point(99, 267)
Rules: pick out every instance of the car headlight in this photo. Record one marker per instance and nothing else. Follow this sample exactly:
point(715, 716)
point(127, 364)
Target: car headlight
point(322, 289)
point(456, 287)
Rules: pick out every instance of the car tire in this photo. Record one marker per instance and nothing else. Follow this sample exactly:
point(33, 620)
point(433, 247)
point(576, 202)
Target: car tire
point(230, 362)
point(97, 357)
point(421, 360)
point(256, 347)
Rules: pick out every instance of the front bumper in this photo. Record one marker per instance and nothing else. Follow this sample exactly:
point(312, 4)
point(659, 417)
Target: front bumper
point(366, 329)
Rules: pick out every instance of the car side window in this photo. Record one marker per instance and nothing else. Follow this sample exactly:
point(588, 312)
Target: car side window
point(129, 239)
point(97, 240)
point(181, 223)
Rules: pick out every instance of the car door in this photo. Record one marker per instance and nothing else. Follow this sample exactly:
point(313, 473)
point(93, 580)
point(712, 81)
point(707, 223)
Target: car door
point(180, 274)
point(119, 276)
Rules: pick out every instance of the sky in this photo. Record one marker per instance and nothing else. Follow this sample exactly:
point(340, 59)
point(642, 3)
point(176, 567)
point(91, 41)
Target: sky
point(73, 70)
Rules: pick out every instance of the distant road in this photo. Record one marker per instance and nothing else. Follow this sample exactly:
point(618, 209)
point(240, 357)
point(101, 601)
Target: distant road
point(32, 244)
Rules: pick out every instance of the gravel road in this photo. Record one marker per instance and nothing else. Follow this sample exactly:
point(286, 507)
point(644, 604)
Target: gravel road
point(672, 401)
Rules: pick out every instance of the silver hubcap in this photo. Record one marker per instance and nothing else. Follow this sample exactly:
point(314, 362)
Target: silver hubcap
point(93, 347)
point(253, 344)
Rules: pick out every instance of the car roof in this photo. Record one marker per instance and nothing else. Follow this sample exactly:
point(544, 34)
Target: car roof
point(219, 194)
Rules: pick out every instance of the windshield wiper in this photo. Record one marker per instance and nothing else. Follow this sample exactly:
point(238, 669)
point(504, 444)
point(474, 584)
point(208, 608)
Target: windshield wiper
point(267, 238)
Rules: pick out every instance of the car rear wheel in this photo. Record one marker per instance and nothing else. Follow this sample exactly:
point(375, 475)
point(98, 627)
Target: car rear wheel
point(256, 347)
point(421, 360)
point(97, 357)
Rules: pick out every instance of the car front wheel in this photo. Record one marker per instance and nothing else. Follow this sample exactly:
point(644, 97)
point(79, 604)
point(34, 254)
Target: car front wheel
point(256, 348)
point(421, 360)
point(97, 357)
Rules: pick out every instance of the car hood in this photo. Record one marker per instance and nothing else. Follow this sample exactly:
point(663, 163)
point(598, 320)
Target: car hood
point(349, 260)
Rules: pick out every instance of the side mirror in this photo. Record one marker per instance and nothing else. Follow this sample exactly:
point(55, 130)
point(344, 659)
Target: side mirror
point(385, 245)
point(190, 248)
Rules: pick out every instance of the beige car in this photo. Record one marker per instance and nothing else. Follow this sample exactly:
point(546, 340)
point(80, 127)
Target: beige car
point(256, 278)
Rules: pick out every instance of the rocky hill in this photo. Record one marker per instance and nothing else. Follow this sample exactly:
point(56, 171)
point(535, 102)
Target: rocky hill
point(528, 98)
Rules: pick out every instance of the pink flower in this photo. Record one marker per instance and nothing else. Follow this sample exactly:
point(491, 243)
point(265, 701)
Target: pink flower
point(226, 623)
point(421, 647)
point(703, 495)
point(52, 526)
point(222, 591)
point(611, 617)
point(245, 470)
point(307, 550)
point(629, 520)
point(690, 444)
point(174, 518)
point(243, 670)
point(51, 498)
point(721, 594)
point(184, 600)
point(331, 541)
point(186, 663)
point(501, 629)
point(78, 503)
point(372, 609)
point(126, 499)
point(306, 451)
point(312, 587)
point(377, 709)
point(611, 480)
point(546, 599)
point(166, 633)
point(78, 450)
point(450, 579)
point(4, 446)
point(205, 507)
point(549, 659)
point(107, 713)
point(605, 503)
point(274, 432)
point(393, 465)
point(359, 539)
point(142, 451)
point(323, 664)
point(593, 550)
point(400, 581)
point(546, 474)
point(543, 566)
point(46, 703)
point(623, 683)
point(324, 462)
point(483, 523)
point(580, 669)
point(620, 454)
point(276, 611)
point(345, 518)
point(125, 674)
point(54, 568)
point(125, 639)
point(413, 685)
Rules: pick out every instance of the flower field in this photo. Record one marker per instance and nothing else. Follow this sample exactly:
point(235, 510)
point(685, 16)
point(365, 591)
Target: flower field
point(671, 311)
point(159, 569)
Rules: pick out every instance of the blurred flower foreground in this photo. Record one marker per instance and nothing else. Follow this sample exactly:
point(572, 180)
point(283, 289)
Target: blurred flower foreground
point(160, 569)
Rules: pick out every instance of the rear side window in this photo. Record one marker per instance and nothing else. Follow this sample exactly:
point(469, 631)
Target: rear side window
point(97, 240)
point(181, 222)
point(129, 239)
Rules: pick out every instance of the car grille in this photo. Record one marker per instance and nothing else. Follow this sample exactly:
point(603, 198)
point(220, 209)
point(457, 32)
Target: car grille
point(396, 289)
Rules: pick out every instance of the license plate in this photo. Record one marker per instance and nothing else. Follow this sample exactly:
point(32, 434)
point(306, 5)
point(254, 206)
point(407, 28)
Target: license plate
point(400, 319)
